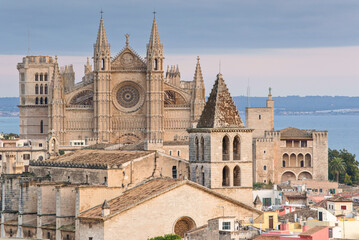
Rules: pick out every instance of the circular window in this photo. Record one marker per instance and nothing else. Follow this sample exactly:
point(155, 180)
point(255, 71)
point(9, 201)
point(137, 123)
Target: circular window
point(128, 96)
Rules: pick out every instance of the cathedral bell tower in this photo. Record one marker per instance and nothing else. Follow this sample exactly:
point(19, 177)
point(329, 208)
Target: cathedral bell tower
point(102, 78)
point(220, 147)
point(154, 93)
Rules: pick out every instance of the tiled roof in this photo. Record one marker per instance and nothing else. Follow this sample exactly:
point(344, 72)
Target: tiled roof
point(339, 199)
point(107, 157)
point(306, 213)
point(322, 204)
point(313, 230)
point(267, 238)
point(347, 194)
point(220, 110)
point(146, 191)
point(291, 132)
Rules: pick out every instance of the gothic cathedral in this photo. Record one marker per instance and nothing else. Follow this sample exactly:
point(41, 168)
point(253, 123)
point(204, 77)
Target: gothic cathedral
point(124, 99)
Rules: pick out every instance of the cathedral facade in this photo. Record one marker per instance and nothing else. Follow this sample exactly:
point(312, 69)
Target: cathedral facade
point(123, 99)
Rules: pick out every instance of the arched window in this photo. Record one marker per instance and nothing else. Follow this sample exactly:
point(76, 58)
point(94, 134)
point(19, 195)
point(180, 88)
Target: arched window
point(174, 172)
point(237, 176)
point(202, 148)
point(36, 89)
point(41, 101)
point(41, 77)
point(225, 148)
point(197, 175)
point(236, 148)
point(196, 150)
point(283, 163)
point(285, 159)
point(36, 77)
point(48, 235)
point(308, 160)
point(42, 126)
point(45, 76)
point(103, 64)
point(202, 176)
point(302, 163)
point(45, 100)
point(155, 64)
point(41, 89)
point(37, 100)
point(293, 160)
point(45, 88)
point(225, 176)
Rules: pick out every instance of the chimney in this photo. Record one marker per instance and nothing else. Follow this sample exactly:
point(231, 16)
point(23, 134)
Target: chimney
point(105, 209)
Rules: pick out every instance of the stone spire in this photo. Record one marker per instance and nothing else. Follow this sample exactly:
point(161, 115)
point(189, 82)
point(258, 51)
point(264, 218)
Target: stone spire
point(198, 93)
point(101, 41)
point(154, 37)
point(220, 110)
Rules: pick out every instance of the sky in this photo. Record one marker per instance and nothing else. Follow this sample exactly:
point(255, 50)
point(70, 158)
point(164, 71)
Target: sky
point(295, 47)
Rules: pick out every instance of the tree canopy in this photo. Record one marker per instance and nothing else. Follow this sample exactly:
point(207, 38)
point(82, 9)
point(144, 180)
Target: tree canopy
point(167, 237)
point(343, 159)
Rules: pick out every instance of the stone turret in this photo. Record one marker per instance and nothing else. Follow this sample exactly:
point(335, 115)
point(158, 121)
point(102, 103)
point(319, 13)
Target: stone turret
point(220, 147)
point(102, 77)
point(198, 99)
point(154, 99)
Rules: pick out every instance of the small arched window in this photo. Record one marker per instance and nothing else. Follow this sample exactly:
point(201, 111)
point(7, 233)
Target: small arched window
point(45, 76)
point(155, 64)
point(225, 176)
point(37, 100)
point(283, 164)
point(260, 117)
point(41, 77)
point(41, 89)
point(103, 64)
point(265, 167)
point(45, 88)
point(225, 148)
point(196, 149)
point(202, 148)
point(237, 176)
point(36, 89)
point(45, 100)
point(36, 77)
point(41, 101)
point(42, 126)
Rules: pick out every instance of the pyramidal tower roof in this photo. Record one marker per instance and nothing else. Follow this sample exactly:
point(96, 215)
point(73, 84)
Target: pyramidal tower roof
point(101, 36)
point(155, 37)
point(220, 110)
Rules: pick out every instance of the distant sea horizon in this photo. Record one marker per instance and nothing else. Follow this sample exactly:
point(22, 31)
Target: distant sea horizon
point(343, 130)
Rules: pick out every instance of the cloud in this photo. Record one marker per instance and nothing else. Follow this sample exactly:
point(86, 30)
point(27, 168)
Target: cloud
point(305, 71)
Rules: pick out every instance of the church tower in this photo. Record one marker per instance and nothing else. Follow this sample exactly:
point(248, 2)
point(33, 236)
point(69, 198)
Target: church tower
point(198, 98)
point(220, 147)
point(154, 93)
point(57, 107)
point(102, 79)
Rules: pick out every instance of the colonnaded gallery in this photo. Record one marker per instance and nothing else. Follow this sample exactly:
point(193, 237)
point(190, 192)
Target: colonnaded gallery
point(154, 145)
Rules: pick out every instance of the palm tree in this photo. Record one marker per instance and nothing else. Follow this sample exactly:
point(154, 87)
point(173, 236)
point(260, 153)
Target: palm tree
point(337, 166)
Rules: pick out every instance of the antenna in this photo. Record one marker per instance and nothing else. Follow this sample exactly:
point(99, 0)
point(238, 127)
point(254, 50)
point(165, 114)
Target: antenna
point(248, 94)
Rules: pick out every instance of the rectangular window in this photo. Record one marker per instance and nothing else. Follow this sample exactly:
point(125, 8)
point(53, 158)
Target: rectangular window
point(26, 156)
point(303, 144)
point(226, 226)
point(267, 202)
point(343, 207)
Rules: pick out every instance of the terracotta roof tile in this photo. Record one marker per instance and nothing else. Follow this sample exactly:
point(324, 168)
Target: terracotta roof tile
point(133, 196)
point(291, 132)
point(220, 110)
point(109, 157)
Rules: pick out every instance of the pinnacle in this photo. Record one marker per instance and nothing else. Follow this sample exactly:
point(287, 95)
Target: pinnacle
point(154, 38)
point(101, 36)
